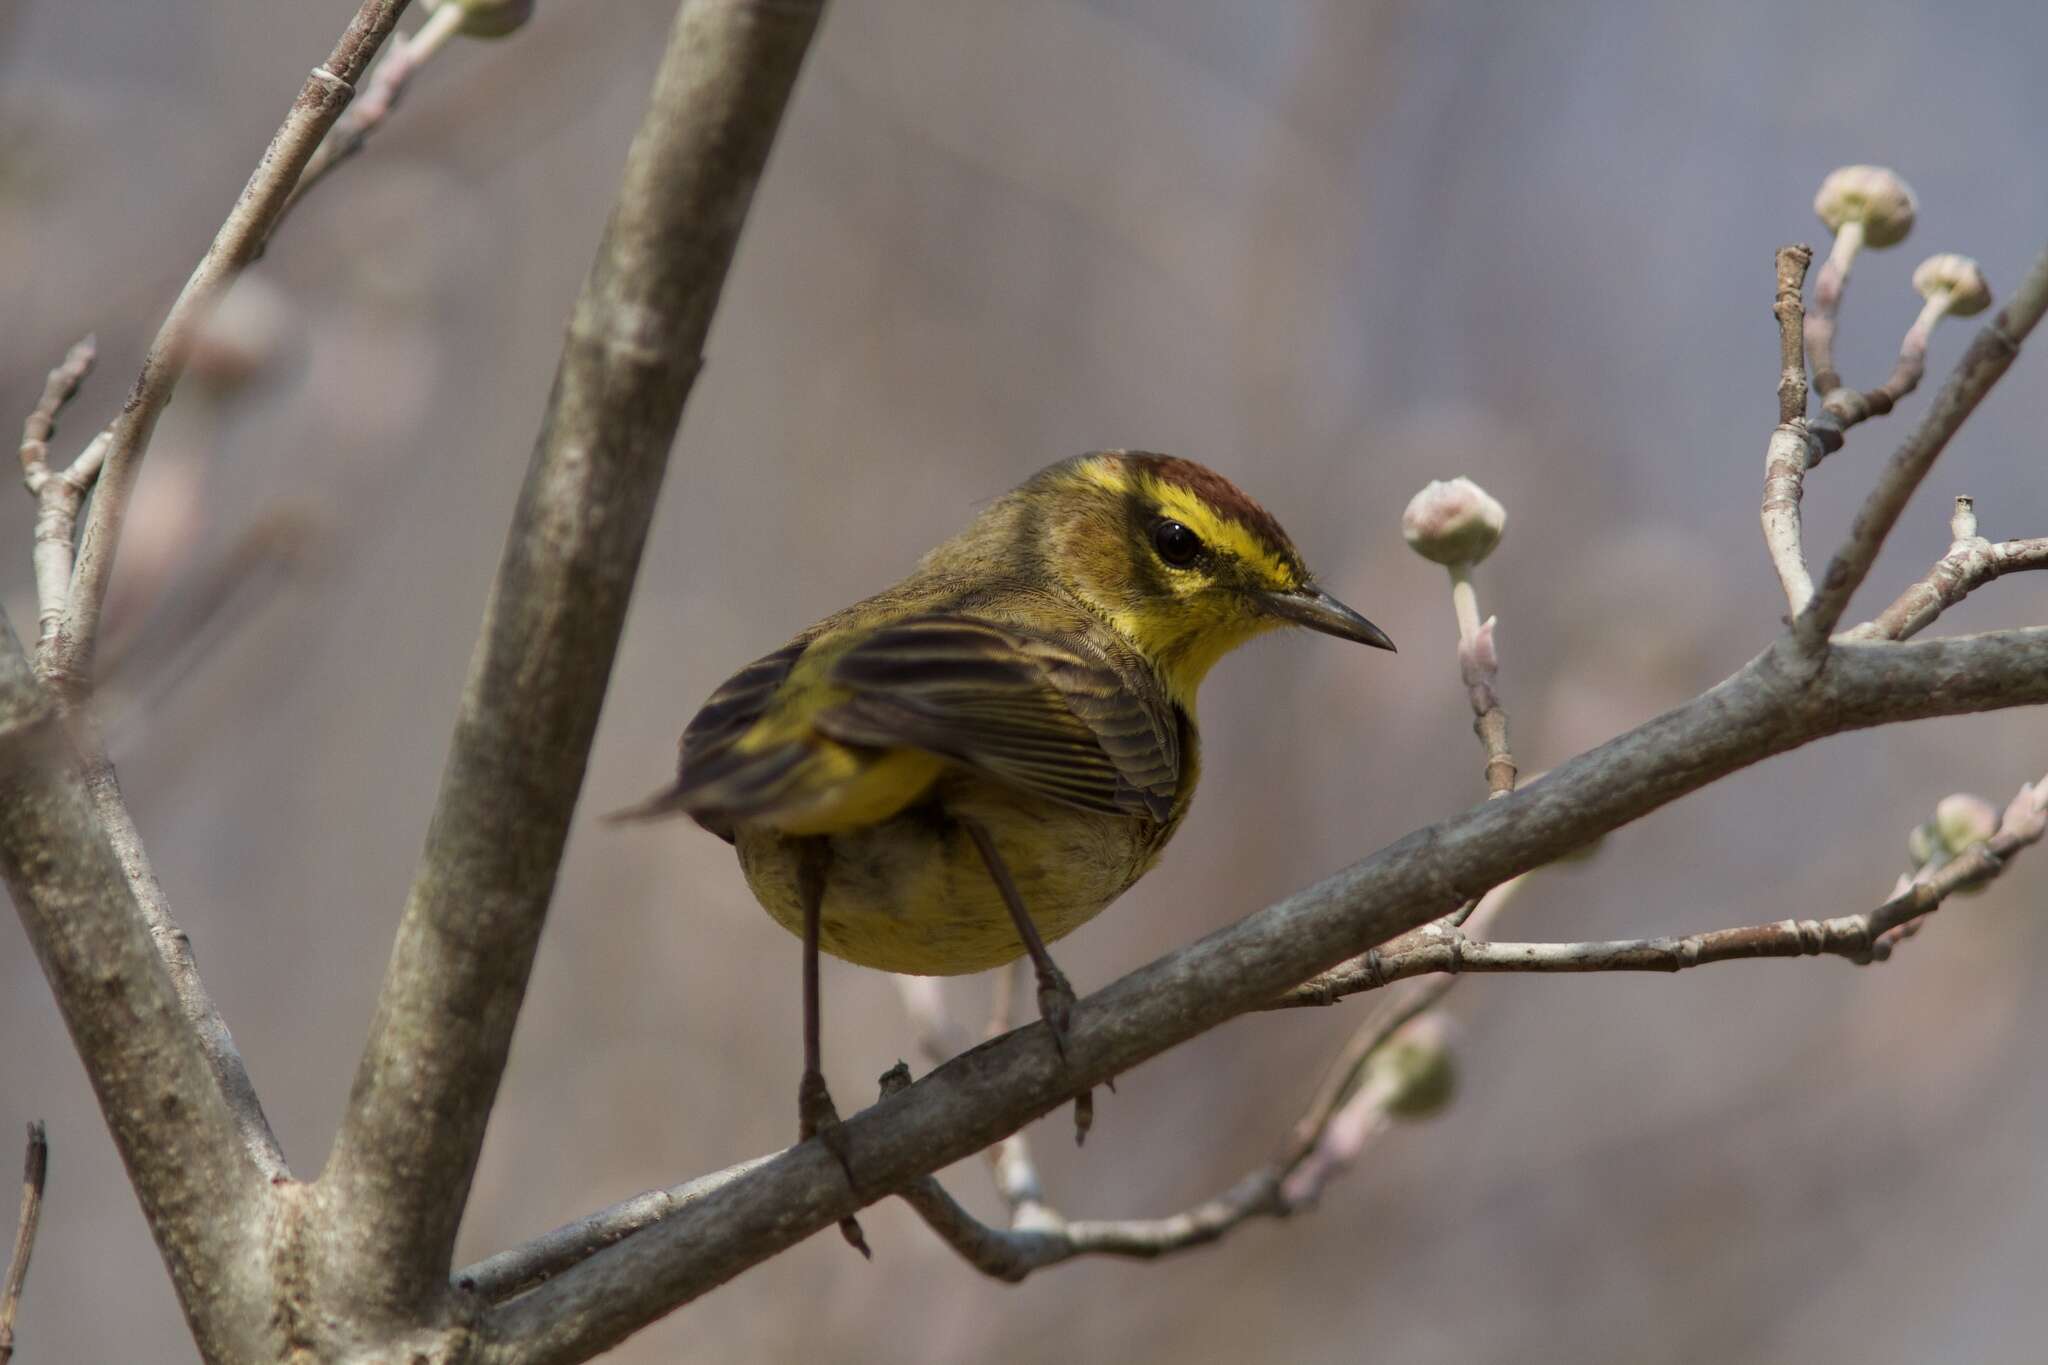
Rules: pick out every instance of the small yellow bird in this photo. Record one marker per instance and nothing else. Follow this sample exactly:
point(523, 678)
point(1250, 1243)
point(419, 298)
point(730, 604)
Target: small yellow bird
point(976, 761)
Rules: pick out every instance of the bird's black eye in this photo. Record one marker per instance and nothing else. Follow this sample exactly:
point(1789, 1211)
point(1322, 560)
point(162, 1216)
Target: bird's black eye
point(1177, 545)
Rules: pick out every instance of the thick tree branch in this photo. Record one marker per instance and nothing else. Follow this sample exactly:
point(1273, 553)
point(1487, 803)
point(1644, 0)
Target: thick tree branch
point(68, 662)
point(1775, 703)
point(1990, 354)
point(395, 1185)
point(173, 1125)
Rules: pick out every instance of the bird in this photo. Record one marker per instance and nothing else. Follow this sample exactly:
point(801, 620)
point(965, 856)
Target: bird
point(973, 763)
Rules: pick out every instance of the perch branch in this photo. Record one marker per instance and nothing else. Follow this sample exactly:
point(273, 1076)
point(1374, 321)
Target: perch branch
point(1771, 705)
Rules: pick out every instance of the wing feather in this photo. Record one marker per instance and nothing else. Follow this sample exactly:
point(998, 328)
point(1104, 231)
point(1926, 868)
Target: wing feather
point(1052, 714)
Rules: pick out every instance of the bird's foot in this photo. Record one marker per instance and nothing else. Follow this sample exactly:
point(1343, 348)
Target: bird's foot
point(817, 1117)
point(1056, 1007)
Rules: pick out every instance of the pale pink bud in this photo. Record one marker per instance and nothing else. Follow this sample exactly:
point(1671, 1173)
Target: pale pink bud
point(1453, 523)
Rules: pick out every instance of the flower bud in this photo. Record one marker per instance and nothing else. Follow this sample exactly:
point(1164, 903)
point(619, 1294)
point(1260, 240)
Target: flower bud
point(1415, 1068)
point(1871, 195)
point(242, 336)
point(1962, 820)
point(488, 18)
point(1958, 277)
point(1923, 845)
point(1454, 523)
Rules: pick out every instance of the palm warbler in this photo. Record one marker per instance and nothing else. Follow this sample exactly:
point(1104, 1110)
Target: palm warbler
point(976, 761)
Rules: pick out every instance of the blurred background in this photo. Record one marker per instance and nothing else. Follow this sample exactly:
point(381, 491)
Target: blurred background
point(1334, 249)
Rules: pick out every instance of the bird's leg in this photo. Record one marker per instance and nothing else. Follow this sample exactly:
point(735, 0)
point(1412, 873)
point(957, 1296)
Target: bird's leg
point(1055, 993)
point(816, 1116)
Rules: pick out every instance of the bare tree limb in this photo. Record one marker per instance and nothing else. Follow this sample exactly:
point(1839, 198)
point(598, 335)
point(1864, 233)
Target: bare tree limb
point(35, 1169)
point(395, 1186)
point(174, 1127)
point(59, 495)
point(1773, 704)
point(67, 664)
point(1792, 449)
point(1990, 354)
point(1970, 563)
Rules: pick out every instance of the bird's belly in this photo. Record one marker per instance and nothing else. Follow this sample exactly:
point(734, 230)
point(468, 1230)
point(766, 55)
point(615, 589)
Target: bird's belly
point(911, 894)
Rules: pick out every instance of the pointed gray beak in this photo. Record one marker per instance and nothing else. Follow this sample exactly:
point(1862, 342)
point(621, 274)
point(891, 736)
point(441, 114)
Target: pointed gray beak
point(1316, 609)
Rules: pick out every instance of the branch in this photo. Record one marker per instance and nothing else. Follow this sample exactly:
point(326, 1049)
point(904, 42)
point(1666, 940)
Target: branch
point(514, 1271)
point(67, 663)
point(387, 84)
point(1970, 563)
point(1861, 938)
point(173, 1125)
point(1773, 704)
point(1322, 1144)
point(35, 1170)
point(58, 495)
point(465, 946)
point(1792, 449)
point(1990, 354)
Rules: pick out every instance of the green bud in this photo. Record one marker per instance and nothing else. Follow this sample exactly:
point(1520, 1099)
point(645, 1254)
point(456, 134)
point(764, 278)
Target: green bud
point(488, 18)
point(1923, 845)
point(1415, 1068)
point(1962, 820)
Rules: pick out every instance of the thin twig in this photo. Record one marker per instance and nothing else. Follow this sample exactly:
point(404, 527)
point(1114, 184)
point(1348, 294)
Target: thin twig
point(34, 1171)
point(1846, 406)
point(1827, 303)
point(58, 495)
point(1040, 1236)
point(1334, 1130)
point(1970, 563)
point(1990, 354)
point(1860, 938)
point(1792, 449)
point(41, 424)
point(403, 58)
point(67, 662)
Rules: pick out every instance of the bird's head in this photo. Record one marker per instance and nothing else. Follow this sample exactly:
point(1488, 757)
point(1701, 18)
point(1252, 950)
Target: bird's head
point(1177, 560)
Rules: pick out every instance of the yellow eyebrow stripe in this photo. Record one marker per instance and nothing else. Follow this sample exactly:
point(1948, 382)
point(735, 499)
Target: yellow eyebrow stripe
point(1225, 533)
